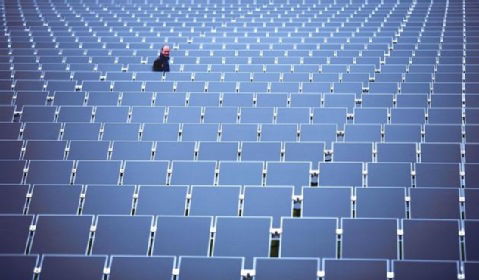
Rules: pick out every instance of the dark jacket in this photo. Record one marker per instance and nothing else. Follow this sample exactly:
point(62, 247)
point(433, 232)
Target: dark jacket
point(161, 64)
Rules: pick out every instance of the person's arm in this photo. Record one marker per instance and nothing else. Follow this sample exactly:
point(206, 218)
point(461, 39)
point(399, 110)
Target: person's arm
point(158, 65)
point(166, 66)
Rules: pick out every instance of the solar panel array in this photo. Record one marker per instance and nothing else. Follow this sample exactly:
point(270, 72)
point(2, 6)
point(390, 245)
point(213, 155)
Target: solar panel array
point(292, 139)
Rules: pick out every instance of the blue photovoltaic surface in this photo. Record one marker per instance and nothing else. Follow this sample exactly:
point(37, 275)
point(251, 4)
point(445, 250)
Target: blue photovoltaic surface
point(299, 139)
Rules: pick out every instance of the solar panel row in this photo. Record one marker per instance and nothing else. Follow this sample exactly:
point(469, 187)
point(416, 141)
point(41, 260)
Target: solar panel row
point(232, 151)
point(130, 235)
point(125, 267)
point(372, 202)
point(210, 172)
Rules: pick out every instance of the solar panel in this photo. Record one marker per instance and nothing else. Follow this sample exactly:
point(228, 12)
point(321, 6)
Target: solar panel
point(184, 86)
point(122, 235)
point(76, 267)
point(210, 268)
point(370, 115)
point(407, 115)
point(293, 115)
point(35, 131)
point(239, 132)
point(240, 173)
point(354, 269)
point(261, 151)
point(256, 115)
point(148, 268)
point(75, 114)
point(304, 100)
point(340, 174)
point(275, 202)
point(160, 132)
point(220, 114)
point(88, 150)
point(121, 198)
point(55, 74)
point(218, 151)
point(425, 269)
point(119, 75)
point(304, 151)
point(437, 175)
point(340, 100)
point(396, 152)
point(471, 269)
point(97, 172)
point(381, 202)
point(121, 131)
point(137, 98)
point(14, 233)
point(383, 232)
point(103, 98)
point(447, 133)
point(471, 171)
point(126, 150)
point(145, 172)
point(126, 86)
point(472, 133)
point(190, 172)
point(17, 266)
point(163, 97)
point(353, 152)
point(327, 202)
point(81, 131)
point(62, 234)
point(51, 199)
point(81, 75)
point(184, 114)
point(296, 174)
point(174, 236)
point(215, 201)
point(319, 132)
point(95, 85)
point(308, 237)
point(238, 100)
point(471, 228)
point(420, 242)
point(175, 151)
point(45, 150)
point(111, 114)
point(434, 203)
point(29, 97)
point(447, 100)
point(412, 101)
point(254, 240)
point(40, 172)
point(200, 132)
point(53, 86)
point(402, 133)
point(389, 174)
point(278, 132)
point(29, 85)
point(157, 200)
point(6, 97)
point(221, 86)
point(269, 268)
point(362, 133)
point(12, 198)
point(347, 87)
point(445, 115)
point(330, 116)
point(471, 205)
